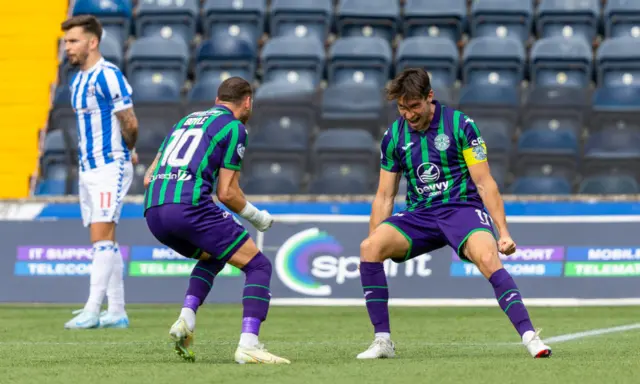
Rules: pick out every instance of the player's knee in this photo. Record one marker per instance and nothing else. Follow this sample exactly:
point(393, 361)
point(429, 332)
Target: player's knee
point(485, 256)
point(370, 251)
point(262, 262)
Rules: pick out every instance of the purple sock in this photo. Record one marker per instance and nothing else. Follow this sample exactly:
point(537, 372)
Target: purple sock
point(256, 294)
point(200, 283)
point(376, 294)
point(510, 300)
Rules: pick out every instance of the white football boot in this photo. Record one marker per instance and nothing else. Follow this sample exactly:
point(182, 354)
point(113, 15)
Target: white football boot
point(83, 320)
point(257, 355)
point(182, 336)
point(113, 320)
point(381, 348)
point(534, 345)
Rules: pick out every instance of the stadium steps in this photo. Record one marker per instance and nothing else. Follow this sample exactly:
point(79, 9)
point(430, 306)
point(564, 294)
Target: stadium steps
point(29, 36)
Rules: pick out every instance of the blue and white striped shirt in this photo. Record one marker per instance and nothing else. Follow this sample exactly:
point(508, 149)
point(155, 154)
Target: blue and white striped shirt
point(96, 95)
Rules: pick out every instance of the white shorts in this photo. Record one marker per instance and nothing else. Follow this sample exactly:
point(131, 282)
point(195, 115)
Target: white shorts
point(102, 191)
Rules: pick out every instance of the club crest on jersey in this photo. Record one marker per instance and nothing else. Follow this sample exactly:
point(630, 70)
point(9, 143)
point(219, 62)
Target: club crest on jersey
point(479, 153)
point(442, 142)
point(428, 172)
point(240, 150)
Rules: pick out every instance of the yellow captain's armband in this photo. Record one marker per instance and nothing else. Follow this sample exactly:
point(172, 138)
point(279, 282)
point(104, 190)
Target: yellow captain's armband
point(475, 155)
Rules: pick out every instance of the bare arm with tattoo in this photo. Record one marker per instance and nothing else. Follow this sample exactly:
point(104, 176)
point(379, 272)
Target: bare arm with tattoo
point(149, 173)
point(129, 124)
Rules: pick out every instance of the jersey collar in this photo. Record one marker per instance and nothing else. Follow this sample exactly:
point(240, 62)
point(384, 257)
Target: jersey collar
point(219, 106)
point(95, 66)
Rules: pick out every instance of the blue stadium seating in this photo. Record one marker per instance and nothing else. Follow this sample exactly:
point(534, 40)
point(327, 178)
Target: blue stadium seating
point(497, 133)
point(368, 18)
point(359, 60)
point(561, 61)
point(356, 106)
point(55, 148)
point(555, 107)
point(301, 18)
point(549, 142)
point(439, 55)
point(493, 61)
point(112, 51)
point(169, 19)
point(488, 95)
point(335, 149)
point(622, 18)
point(435, 18)
point(235, 18)
point(150, 56)
point(291, 171)
point(502, 18)
point(205, 90)
point(270, 184)
point(223, 58)
point(339, 183)
point(568, 18)
point(155, 87)
point(54, 181)
point(114, 15)
point(541, 185)
point(293, 59)
point(618, 62)
point(609, 185)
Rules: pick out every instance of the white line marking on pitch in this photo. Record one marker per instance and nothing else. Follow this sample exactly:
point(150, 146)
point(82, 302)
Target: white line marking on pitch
point(593, 332)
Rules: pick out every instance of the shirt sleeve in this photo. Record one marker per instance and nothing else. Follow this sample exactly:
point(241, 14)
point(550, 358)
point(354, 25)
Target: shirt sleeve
point(115, 89)
point(237, 141)
point(474, 149)
point(388, 158)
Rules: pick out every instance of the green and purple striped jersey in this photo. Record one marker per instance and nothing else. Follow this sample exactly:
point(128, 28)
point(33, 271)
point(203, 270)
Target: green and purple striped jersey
point(435, 162)
point(192, 155)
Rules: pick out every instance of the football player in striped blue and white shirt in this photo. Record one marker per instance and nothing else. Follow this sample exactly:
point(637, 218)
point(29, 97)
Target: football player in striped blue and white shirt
point(107, 131)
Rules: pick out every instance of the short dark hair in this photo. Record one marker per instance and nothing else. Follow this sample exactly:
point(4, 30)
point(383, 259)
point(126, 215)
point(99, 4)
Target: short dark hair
point(234, 90)
point(89, 23)
point(412, 83)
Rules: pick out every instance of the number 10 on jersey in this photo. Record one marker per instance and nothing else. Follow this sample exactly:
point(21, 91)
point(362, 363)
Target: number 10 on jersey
point(181, 147)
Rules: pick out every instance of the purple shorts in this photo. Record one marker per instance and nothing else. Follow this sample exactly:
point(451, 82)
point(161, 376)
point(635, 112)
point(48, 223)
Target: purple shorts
point(428, 229)
point(190, 230)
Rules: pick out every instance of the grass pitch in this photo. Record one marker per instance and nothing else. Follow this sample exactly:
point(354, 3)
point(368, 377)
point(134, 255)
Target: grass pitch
point(434, 345)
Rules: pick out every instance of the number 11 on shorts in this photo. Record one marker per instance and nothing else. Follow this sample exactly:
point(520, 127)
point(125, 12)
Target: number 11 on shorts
point(484, 217)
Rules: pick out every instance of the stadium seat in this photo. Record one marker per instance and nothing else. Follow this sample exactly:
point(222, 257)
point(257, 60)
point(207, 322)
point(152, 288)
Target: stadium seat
point(502, 18)
point(499, 170)
point(115, 16)
point(352, 151)
point(265, 168)
point(541, 186)
point(62, 96)
point(149, 56)
point(567, 18)
point(356, 106)
point(301, 18)
point(435, 18)
point(284, 104)
point(340, 183)
point(622, 18)
point(618, 62)
point(475, 95)
point(236, 18)
point(548, 143)
point(224, 58)
point(555, 107)
point(55, 149)
point(205, 90)
point(536, 166)
point(613, 151)
point(155, 87)
point(112, 51)
point(149, 140)
point(493, 61)
point(270, 184)
point(169, 19)
point(359, 60)
point(438, 55)
point(609, 185)
point(615, 107)
point(54, 181)
point(293, 59)
point(368, 18)
point(561, 61)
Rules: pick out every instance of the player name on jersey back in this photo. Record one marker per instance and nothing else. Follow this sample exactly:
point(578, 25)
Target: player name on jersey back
point(193, 153)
